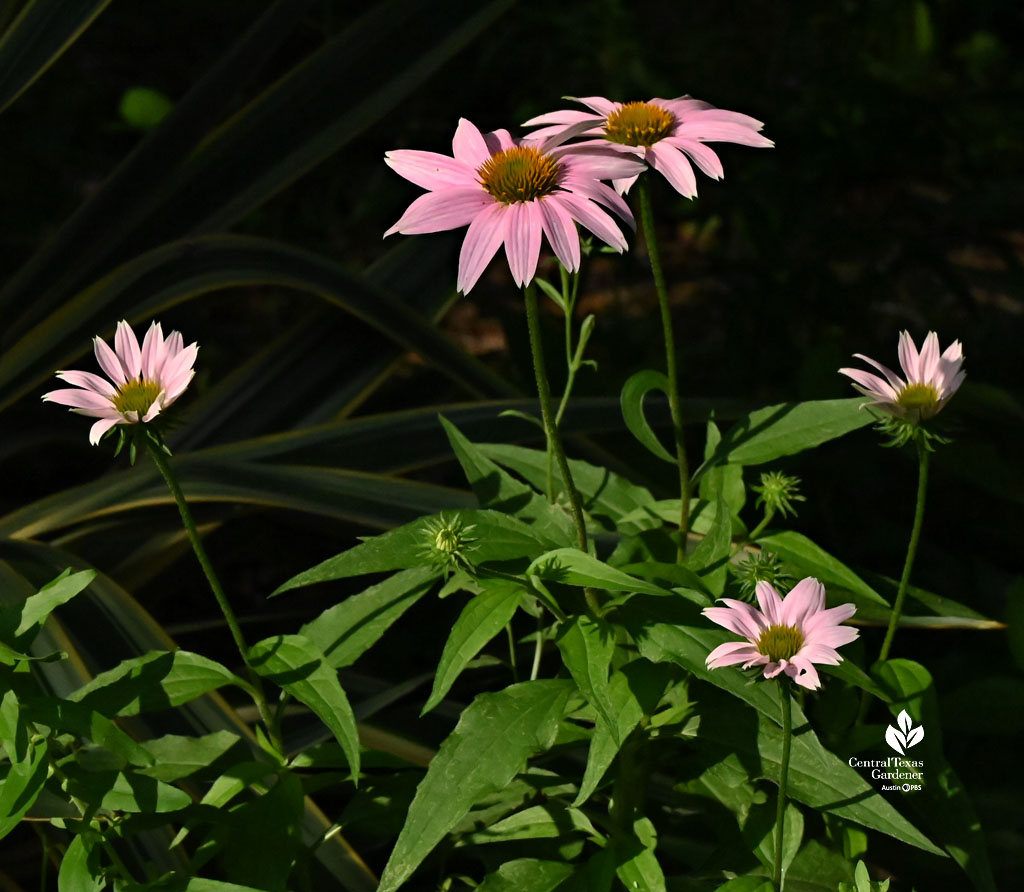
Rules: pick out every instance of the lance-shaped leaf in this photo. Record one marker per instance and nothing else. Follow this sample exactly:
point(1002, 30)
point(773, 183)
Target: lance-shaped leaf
point(347, 630)
point(606, 739)
point(481, 619)
point(526, 873)
point(298, 666)
point(587, 646)
point(574, 567)
point(710, 559)
point(22, 785)
point(488, 748)
point(27, 619)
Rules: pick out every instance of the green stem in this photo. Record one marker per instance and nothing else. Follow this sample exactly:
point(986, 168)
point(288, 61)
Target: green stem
point(512, 653)
point(780, 811)
point(164, 466)
point(915, 537)
point(538, 647)
point(554, 439)
point(767, 519)
point(674, 403)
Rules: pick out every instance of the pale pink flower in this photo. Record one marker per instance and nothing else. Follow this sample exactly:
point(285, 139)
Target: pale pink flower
point(787, 635)
point(666, 133)
point(511, 192)
point(931, 379)
point(143, 380)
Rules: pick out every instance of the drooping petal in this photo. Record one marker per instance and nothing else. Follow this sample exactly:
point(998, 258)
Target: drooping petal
point(833, 616)
point(483, 238)
point(449, 208)
point(499, 141)
point(126, 345)
point(597, 191)
point(722, 131)
point(429, 169)
point(823, 653)
point(176, 367)
point(683, 106)
point(895, 380)
point(97, 431)
point(871, 385)
point(560, 230)
point(623, 186)
point(522, 240)
point(592, 217)
point(721, 115)
point(674, 166)
point(597, 162)
point(706, 159)
point(738, 617)
point(830, 636)
point(602, 106)
point(78, 398)
point(565, 116)
point(802, 671)
point(89, 381)
point(108, 361)
point(731, 653)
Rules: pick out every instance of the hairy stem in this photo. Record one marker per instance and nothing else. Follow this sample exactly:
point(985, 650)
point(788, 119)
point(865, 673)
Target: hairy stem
point(672, 372)
point(164, 466)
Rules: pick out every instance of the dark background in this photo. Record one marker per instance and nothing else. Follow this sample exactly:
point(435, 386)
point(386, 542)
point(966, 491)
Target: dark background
point(891, 201)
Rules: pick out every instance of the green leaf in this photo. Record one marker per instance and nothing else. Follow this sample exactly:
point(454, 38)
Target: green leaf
point(498, 490)
point(495, 537)
point(587, 647)
point(632, 401)
point(480, 620)
point(548, 821)
point(638, 867)
point(347, 630)
point(606, 740)
point(80, 869)
point(785, 429)
point(574, 567)
point(82, 721)
point(710, 559)
point(725, 480)
point(526, 873)
point(157, 680)
point(120, 791)
point(815, 561)
point(604, 494)
point(490, 745)
point(38, 607)
point(298, 666)
point(37, 38)
point(22, 785)
point(175, 756)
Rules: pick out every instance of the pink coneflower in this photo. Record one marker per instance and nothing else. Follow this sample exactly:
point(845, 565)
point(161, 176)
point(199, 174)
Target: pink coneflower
point(931, 379)
point(143, 381)
point(511, 191)
point(786, 635)
point(666, 133)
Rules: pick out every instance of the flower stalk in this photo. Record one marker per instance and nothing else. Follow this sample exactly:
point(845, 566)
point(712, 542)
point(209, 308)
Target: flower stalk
point(780, 810)
point(674, 402)
point(159, 455)
point(551, 434)
point(923, 453)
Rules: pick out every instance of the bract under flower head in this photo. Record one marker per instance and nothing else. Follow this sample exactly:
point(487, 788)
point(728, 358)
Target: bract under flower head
point(143, 381)
point(666, 133)
point(787, 635)
point(512, 192)
point(931, 379)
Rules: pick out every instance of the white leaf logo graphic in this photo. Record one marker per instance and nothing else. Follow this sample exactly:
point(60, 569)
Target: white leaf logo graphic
point(896, 740)
point(906, 736)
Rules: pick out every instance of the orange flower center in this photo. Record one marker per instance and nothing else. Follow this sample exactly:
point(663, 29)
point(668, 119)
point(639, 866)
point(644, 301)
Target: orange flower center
point(519, 174)
point(639, 124)
point(780, 642)
point(136, 395)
